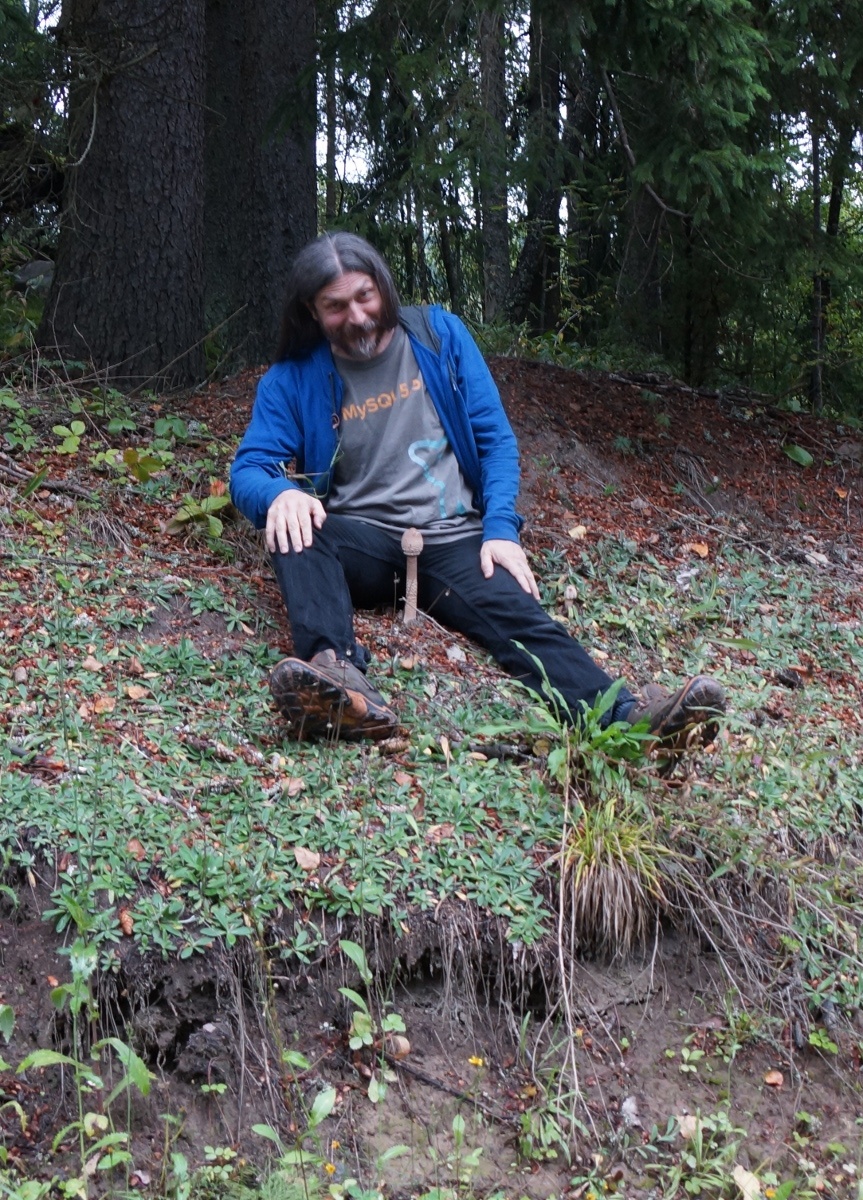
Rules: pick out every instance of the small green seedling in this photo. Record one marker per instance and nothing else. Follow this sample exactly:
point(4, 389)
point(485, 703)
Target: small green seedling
point(71, 435)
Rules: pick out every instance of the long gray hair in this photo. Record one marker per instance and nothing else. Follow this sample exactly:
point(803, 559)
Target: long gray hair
point(318, 265)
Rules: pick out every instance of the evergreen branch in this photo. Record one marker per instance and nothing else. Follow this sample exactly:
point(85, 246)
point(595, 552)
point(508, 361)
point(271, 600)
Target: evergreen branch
point(627, 149)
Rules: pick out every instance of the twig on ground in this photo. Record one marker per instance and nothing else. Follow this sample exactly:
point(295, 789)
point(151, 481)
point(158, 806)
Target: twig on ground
point(465, 1097)
point(11, 470)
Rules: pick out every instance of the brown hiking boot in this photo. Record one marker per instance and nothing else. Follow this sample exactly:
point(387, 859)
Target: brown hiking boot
point(671, 717)
point(328, 697)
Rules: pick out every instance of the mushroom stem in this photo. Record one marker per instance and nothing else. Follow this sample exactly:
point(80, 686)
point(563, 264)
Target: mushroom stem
point(412, 544)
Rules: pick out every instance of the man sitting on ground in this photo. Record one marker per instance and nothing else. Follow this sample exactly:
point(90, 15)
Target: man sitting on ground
point(393, 421)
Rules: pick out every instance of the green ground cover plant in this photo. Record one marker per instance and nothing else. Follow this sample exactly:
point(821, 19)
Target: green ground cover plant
point(148, 796)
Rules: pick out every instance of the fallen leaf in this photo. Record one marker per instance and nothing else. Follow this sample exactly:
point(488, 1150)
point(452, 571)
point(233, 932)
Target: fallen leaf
point(308, 860)
point(408, 664)
point(437, 833)
point(135, 848)
point(92, 664)
point(293, 786)
point(85, 711)
point(42, 762)
point(841, 492)
point(444, 745)
point(104, 704)
point(455, 654)
point(402, 779)
point(688, 1125)
point(700, 548)
point(799, 455)
point(774, 1079)
point(749, 1184)
point(136, 691)
point(578, 532)
point(398, 1046)
point(94, 1123)
point(134, 666)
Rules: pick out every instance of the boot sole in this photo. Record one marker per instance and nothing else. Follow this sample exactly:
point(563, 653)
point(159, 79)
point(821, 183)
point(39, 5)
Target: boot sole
point(692, 709)
point(314, 705)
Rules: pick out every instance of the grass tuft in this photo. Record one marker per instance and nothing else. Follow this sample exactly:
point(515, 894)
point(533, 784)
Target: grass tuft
point(611, 879)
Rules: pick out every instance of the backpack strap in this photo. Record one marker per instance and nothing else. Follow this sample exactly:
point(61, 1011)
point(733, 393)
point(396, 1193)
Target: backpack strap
point(415, 319)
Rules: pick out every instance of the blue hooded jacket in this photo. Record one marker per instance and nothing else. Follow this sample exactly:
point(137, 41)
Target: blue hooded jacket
point(295, 416)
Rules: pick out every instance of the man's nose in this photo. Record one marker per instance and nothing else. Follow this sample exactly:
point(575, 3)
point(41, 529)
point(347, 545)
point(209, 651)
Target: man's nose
point(356, 313)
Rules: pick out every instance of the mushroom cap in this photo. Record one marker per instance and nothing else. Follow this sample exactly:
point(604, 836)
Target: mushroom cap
point(412, 542)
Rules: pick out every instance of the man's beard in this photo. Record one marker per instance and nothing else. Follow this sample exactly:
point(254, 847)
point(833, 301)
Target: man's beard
point(362, 341)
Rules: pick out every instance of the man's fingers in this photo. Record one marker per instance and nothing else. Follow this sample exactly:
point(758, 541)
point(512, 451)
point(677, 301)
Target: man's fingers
point(512, 558)
point(526, 582)
point(291, 520)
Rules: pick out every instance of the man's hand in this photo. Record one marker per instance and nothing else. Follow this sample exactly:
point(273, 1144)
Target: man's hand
point(511, 557)
point(290, 519)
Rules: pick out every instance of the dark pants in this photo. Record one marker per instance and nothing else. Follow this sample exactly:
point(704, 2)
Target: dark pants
point(352, 564)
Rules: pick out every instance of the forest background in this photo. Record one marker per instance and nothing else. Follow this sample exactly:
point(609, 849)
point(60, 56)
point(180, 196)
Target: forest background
point(662, 183)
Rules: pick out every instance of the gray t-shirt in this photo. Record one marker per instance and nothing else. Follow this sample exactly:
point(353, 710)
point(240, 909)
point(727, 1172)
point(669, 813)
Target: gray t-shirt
point(395, 467)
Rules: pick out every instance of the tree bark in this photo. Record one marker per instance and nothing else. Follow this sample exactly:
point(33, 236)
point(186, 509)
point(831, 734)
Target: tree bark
point(330, 165)
point(535, 291)
point(494, 224)
point(816, 395)
point(127, 292)
point(588, 238)
point(260, 202)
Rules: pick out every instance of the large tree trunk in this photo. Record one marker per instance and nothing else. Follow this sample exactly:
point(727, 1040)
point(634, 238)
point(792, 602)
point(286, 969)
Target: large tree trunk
point(535, 291)
point(587, 229)
point(260, 205)
point(816, 393)
point(127, 292)
point(839, 166)
point(330, 208)
point(493, 164)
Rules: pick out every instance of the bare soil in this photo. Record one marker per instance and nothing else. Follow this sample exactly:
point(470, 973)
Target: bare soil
point(196, 1023)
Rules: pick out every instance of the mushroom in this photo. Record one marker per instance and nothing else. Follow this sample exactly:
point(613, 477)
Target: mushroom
point(412, 544)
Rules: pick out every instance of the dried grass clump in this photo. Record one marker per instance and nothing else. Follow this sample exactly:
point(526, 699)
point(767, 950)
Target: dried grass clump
point(611, 880)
